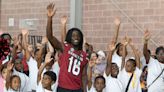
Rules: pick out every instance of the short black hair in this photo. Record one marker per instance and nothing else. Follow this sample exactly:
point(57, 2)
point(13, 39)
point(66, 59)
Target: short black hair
point(100, 77)
point(14, 76)
point(6, 34)
point(51, 74)
point(133, 62)
point(69, 37)
point(158, 49)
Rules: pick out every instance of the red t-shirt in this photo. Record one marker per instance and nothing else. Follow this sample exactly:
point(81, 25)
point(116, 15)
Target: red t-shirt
point(72, 62)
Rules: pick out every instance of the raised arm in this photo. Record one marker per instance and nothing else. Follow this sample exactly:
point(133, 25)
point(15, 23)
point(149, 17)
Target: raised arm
point(53, 40)
point(136, 53)
point(145, 48)
point(125, 43)
point(109, 59)
point(63, 28)
point(40, 52)
point(25, 44)
point(90, 66)
point(41, 68)
point(117, 23)
point(9, 68)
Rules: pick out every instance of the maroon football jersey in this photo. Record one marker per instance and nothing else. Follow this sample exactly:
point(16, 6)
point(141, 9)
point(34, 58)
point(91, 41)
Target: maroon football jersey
point(71, 63)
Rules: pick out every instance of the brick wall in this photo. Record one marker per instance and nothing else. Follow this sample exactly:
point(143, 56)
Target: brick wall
point(31, 9)
point(98, 17)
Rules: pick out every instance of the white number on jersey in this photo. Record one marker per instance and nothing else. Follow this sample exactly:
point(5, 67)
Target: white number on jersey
point(74, 65)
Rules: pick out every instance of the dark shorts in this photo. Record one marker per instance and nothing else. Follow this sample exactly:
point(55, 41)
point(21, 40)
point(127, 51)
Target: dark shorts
point(59, 89)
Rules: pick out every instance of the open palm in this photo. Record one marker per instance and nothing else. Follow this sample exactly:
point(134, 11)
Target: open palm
point(64, 20)
point(51, 10)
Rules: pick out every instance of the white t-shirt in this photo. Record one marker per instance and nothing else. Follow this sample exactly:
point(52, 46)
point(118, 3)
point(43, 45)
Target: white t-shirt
point(33, 73)
point(11, 90)
point(143, 62)
point(117, 59)
point(92, 89)
point(24, 81)
point(41, 89)
point(154, 69)
point(135, 82)
point(113, 84)
point(55, 69)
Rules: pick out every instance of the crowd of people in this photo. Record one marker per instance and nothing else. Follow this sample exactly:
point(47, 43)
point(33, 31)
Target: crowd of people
point(72, 65)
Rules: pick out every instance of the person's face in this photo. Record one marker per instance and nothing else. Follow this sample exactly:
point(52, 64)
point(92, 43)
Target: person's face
point(30, 48)
point(46, 81)
point(101, 58)
point(90, 48)
point(7, 38)
point(129, 66)
point(94, 56)
point(4, 73)
point(160, 56)
point(86, 47)
point(75, 40)
point(99, 84)
point(15, 83)
point(115, 70)
point(18, 65)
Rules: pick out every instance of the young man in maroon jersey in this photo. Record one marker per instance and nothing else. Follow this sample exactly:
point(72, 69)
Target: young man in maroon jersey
point(72, 59)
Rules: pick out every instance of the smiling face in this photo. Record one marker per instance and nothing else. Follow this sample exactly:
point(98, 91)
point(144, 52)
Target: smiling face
point(160, 56)
point(94, 56)
point(75, 39)
point(15, 83)
point(115, 70)
point(46, 81)
point(18, 65)
point(130, 66)
point(99, 84)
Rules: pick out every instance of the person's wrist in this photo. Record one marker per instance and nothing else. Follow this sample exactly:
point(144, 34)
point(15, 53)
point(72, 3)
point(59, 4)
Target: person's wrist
point(63, 24)
point(145, 41)
point(49, 17)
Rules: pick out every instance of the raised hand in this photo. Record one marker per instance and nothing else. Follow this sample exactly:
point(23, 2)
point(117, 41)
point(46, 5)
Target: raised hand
point(117, 21)
point(44, 40)
point(125, 41)
point(25, 32)
point(64, 20)
point(112, 46)
point(130, 42)
point(138, 52)
point(51, 10)
point(147, 35)
point(48, 57)
point(16, 41)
